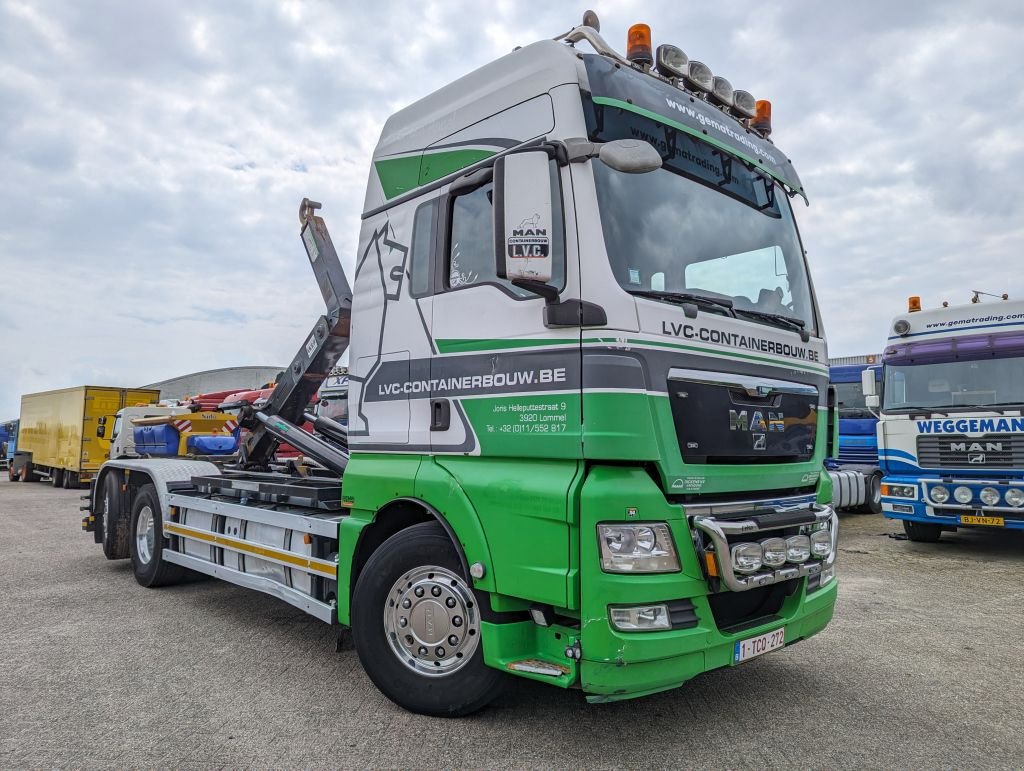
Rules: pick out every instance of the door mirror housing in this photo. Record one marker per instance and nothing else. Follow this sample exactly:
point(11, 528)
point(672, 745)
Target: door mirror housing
point(868, 384)
point(523, 217)
point(873, 401)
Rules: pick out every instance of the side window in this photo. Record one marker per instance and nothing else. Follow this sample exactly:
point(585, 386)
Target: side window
point(422, 246)
point(471, 242)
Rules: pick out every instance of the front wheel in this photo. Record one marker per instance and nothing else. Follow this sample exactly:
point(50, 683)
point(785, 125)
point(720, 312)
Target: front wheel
point(874, 493)
point(416, 626)
point(146, 542)
point(922, 532)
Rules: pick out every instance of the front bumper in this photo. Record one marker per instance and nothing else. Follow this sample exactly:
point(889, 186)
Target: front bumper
point(620, 665)
point(949, 513)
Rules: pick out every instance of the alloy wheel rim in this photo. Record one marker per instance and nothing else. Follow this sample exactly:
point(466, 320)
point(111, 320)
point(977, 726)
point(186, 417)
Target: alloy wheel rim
point(431, 621)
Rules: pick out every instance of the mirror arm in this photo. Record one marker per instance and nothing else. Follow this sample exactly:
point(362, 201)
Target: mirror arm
point(548, 292)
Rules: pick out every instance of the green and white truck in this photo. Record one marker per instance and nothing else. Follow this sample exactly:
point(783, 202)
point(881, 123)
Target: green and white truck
point(588, 399)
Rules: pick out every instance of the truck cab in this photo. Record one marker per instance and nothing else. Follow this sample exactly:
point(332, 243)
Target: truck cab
point(122, 435)
point(858, 447)
point(587, 403)
point(951, 434)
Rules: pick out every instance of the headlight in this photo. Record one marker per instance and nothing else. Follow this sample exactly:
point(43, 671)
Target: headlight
point(900, 491)
point(773, 552)
point(939, 494)
point(640, 618)
point(821, 543)
point(1015, 497)
point(989, 496)
point(746, 557)
point(798, 548)
point(637, 549)
point(963, 494)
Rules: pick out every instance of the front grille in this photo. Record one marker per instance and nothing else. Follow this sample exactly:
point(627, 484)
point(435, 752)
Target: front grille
point(858, 455)
point(959, 451)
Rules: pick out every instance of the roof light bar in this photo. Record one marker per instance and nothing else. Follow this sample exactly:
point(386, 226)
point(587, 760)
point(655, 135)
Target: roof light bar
point(671, 61)
point(743, 103)
point(721, 91)
point(699, 75)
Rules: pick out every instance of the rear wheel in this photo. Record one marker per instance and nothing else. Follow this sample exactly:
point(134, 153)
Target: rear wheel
point(146, 542)
point(115, 522)
point(28, 474)
point(873, 493)
point(13, 475)
point(922, 532)
point(416, 626)
point(70, 480)
point(57, 477)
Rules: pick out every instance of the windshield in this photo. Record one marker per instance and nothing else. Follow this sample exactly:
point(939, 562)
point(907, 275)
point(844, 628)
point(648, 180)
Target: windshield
point(850, 398)
point(705, 223)
point(116, 431)
point(979, 383)
point(334, 407)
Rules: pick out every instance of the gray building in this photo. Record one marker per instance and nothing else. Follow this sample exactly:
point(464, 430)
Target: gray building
point(228, 378)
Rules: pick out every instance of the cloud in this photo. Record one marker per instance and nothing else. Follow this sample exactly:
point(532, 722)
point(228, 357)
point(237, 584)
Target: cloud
point(152, 157)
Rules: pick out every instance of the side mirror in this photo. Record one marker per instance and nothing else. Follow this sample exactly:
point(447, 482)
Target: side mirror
point(872, 401)
point(102, 420)
point(868, 384)
point(631, 156)
point(101, 431)
point(523, 217)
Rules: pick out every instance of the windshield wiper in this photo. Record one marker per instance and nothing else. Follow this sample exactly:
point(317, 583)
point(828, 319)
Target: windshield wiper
point(681, 298)
point(786, 321)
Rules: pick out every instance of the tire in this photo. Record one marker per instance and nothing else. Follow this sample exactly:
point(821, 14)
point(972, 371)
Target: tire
point(442, 671)
point(114, 527)
point(922, 532)
point(13, 475)
point(147, 547)
point(873, 493)
point(57, 477)
point(27, 474)
point(71, 480)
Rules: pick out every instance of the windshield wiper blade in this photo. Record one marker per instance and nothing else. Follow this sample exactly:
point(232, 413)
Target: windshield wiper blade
point(786, 321)
point(687, 297)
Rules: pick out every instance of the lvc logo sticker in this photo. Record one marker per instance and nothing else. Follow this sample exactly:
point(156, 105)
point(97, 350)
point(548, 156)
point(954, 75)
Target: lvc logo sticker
point(528, 240)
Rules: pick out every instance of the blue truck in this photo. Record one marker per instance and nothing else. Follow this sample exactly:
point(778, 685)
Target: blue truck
point(856, 476)
point(8, 442)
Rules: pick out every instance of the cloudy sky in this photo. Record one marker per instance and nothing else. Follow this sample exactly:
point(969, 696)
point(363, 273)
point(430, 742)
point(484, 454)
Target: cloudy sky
point(152, 156)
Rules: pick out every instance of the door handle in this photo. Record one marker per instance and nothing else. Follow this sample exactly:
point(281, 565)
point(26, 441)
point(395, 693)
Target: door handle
point(440, 414)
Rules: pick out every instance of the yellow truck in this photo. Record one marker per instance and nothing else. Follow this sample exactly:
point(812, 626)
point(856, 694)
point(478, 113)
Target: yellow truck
point(62, 434)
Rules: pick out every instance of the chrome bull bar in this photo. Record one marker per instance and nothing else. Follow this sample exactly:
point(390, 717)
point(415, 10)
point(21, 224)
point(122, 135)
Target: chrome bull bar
point(718, 531)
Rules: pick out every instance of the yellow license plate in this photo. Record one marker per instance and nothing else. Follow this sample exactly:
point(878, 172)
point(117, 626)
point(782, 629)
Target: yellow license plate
point(991, 521)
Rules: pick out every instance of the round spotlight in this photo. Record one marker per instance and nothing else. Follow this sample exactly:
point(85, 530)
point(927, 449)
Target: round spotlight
point(743, 103)
point(901, 327)
point(989, 496)
point(774, 552)
point(699, 75)
point(798, 548)
point(821, 543)
point(746, 557)
point(671, 61)
point(963, 495)
point(1015, 497)
point(939, 494)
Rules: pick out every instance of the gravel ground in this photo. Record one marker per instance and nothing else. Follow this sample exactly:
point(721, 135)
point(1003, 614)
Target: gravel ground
point(922, 667)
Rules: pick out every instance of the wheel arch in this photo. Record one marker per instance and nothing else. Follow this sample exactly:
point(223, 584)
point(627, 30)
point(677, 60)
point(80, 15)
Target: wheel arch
point(367, 535)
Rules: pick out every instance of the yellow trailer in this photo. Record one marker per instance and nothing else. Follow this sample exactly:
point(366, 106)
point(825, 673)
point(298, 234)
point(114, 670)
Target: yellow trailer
point(58, 435)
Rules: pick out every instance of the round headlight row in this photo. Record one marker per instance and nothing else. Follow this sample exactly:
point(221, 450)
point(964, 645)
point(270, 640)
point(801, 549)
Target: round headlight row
point(776, 552)
point(989, 495)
